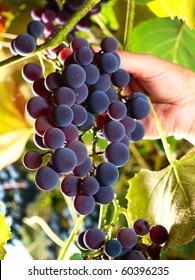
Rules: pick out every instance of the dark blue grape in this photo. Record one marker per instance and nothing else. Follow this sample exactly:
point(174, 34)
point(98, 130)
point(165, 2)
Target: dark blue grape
point(141, 226)
point(134, 255)
point(80, 114)
point(71, 132)
point(114, 131)
point(32, 160)
point(80, 241)
point(81, 93)
point(54, 138)
point(120, 78)
point(37, 106)
point(113, 248)
point(103, 83)
point(64, 160)
point(117, 110)
point(24, 44)
point(109, 44)
point(139, 108)
point(53, 81)
point(108, 63)
point(105, 195)
point(63, 115)
point(78, 43)
point(74, 75)
point(64, 95)
point(117, 153)
point(127, 237)
point(138, 133)
point(84, 204)
point(31, 72)
point(84, 168)
point(46, 178)
point(107, 173)
point(98, 102)
point(70, 185)
point(88, 123)
point(83, 56)
point(35, 28)
point(94, 238)
point(90, 185)
point(129, 124)
point(79, 149)
point(92, 74)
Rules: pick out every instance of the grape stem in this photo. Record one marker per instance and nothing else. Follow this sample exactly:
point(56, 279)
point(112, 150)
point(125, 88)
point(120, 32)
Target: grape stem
point(68, 241)
point(129, 25)
point(59, 37)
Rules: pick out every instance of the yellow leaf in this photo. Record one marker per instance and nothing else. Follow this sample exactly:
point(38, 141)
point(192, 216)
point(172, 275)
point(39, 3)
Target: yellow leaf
point(4, 235)
point(157, 8)
point(12, 145)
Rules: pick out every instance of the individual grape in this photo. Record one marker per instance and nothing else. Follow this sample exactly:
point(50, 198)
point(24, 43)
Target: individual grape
point(90, 185)
point(31, 72)
point(107, 173)
point(84, 204)
point(88, 123)
point(83, 56)
point(109, 44)
point(79, 42)
point(139, 94)
point(64, 95)
point(53, 81)
point(38, 140)
point(38, 88)
point(70, 185)
point(84, 168)
point(74, 75)
point(117, 110)
point(120, 78)
point(81, 93)
point(80, 241)
point(48, 16)
point(101, 120)
point(126, 140)
point(129, 124)
point(103, 83)
point(98, 102)
point(141, 226)
point(117, 153)
point(46, 178)
point(64, 160)
point(113, 248)
point(79, 149)
point(63, 115)
point(134, 255)
point(32, 160)
point(24, 44)
point(114, 131)
point(139, 108)
point(108, 63)
point(74, 4)
point(94, 238)
point(35, 28)
point(154, 251)
point(80, 114)
point(71, 132)
point(127, 237)
point(50, 29)
point(158, 234)
point(105, 195)
point(138, 133)
point(112, 94)
point(54, 138)
point(37, 106)
point(92, 74)
point(36, 13)
point(42, 124)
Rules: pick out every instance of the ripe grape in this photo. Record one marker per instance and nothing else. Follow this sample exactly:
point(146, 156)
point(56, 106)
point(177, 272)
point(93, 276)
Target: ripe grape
point(46, 178)
point(117, 110)
point(83, 56)
point(64, 160)
point(105, 195)
point(54, 138)
point(37, 106)
point(141, 226)
point(98, 102)
point(134, 255)
point(84, 204)
point(107, 173)
point(35, 28)
point(109, 44)
point(94, 238)
point(70, 185)
point(74, 76)
point(84, 168)
point(117, 153)
point(63, 115)
point(108, 63)
point(158, 234)
point(113, 248)
point(90, 185)
point(31, 72)
point(24, 44)
point(138, 133)
point(127, 237)
point(114, 131)
point(120, 78)
point(64, 95)
point(79, 149)
point(32, 160)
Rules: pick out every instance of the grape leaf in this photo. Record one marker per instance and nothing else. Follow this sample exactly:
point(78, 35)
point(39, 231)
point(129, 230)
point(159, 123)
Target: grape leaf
point(4, 235)
point(165, 38)
point(76, 257)
point(184, 10)
point(166, 197)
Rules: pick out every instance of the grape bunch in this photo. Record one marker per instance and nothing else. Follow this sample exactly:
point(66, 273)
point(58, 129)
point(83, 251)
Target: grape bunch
point(86, 95)
point(17, 193)
point(126, 244)
point(48, 20)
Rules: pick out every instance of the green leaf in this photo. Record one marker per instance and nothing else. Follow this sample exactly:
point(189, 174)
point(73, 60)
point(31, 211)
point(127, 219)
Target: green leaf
point(166, 197)
point(166, 38)
point(142, 2)
point(184, 10)
point(5, 235)
point(76, 257)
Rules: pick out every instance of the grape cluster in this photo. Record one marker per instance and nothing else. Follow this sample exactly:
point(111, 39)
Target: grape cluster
point(126, 244)
point(85, 95)
point(17, 192)
point(47, 20)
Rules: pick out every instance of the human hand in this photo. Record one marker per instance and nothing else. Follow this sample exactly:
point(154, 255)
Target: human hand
point(171, 89)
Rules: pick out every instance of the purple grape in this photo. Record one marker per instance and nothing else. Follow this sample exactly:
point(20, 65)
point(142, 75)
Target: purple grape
point(31, 72)
point(63, 115)
point(37, 106)
point(113, 248)
point(53, 81)
point(83, 56)
point(114, 131)
point(92, 74)
point(35, 28)
point(98, 102)
point(120, 78)
point(109, 44)
point(32, 160)
point(38, 88)
point(78, 43)
point(105, 195)
point(138, 133)
point(70, 185)
point(117, 153)
point(84, 204)
point(74, 75)
point(46, 178)
point(64, 160)
point(81, 93)
point(117, 110)
point(71, 132)
point(141, 226)
point(88, 123)
point(112, 94)
point(80, 241)
point(84, 168)
point(64, 95)
point(24, 44)
point(94, 238)
point(129, 124)
point(54, 138)
point(80, 114)
point(74, 4)
point(48, 16)
point(79, 149)
point(90, 185)
point(103, 83)
point(107, 173)
point(108, 63)
point(158, 234)
point(134, 255)
point(139, 108)
point(42, 124)
point(127, 237)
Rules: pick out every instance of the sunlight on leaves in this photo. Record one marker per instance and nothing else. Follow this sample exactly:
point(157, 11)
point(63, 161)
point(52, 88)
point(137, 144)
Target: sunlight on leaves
point(166, 197)
point(157, 8)
point(5, 235)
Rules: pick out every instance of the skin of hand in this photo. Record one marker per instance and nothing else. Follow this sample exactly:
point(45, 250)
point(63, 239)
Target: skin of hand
point(171, 89)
